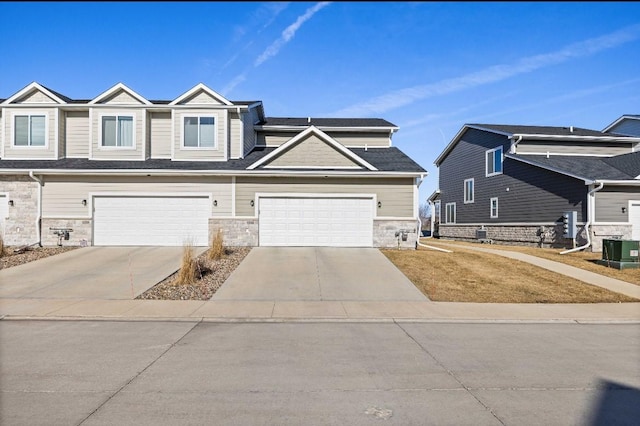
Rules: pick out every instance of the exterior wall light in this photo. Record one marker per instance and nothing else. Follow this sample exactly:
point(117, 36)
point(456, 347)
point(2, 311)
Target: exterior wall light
point(215, 203)
point(624, 210)
point(84, 202)
point(11, 203)
point(379, 204)
point(252, 203)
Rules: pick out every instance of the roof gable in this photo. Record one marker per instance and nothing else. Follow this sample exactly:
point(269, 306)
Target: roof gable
point(119, 94)
point(312, 148)
point(36, 94)
point(200, 94)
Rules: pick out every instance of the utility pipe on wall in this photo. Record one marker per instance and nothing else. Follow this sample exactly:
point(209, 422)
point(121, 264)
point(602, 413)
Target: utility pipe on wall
point(39, 217)
point(589, 217)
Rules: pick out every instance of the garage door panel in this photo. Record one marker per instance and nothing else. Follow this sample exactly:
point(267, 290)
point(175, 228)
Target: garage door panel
point(321, 221)
point(163, 221)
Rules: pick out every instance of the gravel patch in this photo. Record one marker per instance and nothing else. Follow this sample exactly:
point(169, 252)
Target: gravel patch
point(213, 273)
point(10, 259)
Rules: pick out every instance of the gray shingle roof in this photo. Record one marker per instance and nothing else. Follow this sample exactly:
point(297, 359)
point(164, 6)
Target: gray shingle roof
point(541, 130)
point(620, 167)
point(327, 122)
point(384, 159)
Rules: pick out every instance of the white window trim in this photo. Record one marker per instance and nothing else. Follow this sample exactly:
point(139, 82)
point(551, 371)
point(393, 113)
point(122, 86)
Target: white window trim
point(116, 115)
point(215, 132)
point(30, 114)
point(486, 163)
point(446, 212)
point(469, 200)
point(491, 215)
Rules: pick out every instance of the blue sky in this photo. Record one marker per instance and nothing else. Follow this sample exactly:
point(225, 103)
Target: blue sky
point(427, 67)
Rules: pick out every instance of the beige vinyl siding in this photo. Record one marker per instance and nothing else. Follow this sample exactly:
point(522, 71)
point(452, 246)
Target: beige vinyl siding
point(36, 97)
point(62, 140)
point(312, 152)
point(201, 97)
point(117, 153)
point(77, 134)
point(274, 139)
point(62, 196)
point(31, 152)
point(200, 154)
point(235, 137)
point(395, 194)
point(578, 148)
point(360, 140)
point(249, 133)
point(160, 135)
point(610, 200)
point(121, 97)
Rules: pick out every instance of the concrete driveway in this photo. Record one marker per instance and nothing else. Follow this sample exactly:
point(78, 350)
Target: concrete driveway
point(91, 273)
point(317, 274)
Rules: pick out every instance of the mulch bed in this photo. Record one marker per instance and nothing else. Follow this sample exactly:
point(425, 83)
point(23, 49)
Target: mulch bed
point(212, 274)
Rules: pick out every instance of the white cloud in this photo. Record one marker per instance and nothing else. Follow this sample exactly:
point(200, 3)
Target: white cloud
point(288, 34)
point(402, 97)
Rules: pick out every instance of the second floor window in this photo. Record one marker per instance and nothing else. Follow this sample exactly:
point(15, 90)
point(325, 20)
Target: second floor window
point(117, 131)
point(494, 161)
point(468, 191)
point(30, 130)
point(199, 132)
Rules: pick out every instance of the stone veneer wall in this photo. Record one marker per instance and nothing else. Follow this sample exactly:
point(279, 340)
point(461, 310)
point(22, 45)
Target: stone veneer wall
point(20, 227)
point(384, 233)
point(526, 235)
point(80, 236)
point(608, 232)
point(235, 232)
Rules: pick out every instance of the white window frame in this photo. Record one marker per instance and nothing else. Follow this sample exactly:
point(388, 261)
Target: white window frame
point(215, 132)
point(493, 215)
point(493, 156)
point(469, 190)
point(29, 115)
point(447, 215)
point(116, 116)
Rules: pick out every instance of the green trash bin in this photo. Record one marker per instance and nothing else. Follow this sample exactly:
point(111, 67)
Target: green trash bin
point(620, 250)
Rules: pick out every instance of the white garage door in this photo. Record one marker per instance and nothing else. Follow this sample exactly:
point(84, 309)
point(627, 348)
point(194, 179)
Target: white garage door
point(151, 221)
point(312, 222)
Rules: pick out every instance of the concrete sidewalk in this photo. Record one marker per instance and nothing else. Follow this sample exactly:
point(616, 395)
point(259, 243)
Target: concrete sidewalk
point(316, 311)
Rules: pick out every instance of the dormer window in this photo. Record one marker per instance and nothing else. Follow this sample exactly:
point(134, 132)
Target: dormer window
point(199, 132)
point(30, 130)
point(117, 131)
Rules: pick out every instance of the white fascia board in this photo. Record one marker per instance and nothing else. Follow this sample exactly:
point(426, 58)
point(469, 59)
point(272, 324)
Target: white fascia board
point(300, 136)
point(628, 182)
point(587, 181)
point(112, 90)
point(198, 87)
point(164, 172)
point(29, 88)
point(578, 138)
point(326, 128)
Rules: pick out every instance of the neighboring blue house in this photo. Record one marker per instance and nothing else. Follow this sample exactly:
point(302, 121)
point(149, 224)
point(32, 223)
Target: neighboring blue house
point(514, 184)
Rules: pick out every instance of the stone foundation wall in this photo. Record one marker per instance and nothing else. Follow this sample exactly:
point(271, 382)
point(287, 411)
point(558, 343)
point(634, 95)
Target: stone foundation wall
point(81, 234)
point(20, 228)
point(547, 236)
point(608, 232)
point(388, 233)
point(235, 232)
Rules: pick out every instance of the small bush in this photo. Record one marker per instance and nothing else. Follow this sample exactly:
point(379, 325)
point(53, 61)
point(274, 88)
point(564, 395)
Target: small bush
point(188, 268)
point(217, 250)
point(1, 246)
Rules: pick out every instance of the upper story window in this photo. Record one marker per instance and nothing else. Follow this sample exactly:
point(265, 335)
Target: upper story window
point(199, 132)
point(117, 131)
point(494, 161)
point(30, 130)
point(468, 191)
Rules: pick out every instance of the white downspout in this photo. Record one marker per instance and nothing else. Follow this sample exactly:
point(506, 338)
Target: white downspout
point(590, 214)
point(39, 217)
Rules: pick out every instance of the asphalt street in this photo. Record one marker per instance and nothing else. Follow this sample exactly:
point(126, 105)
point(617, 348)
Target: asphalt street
point(318, 373)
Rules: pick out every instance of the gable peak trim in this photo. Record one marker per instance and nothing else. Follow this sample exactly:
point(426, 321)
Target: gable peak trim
point(114, 89)
point(312, 130)
point(33, 86)
point(201, 87)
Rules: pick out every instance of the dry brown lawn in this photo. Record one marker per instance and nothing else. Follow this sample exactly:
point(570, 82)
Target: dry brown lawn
point(472, 276)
